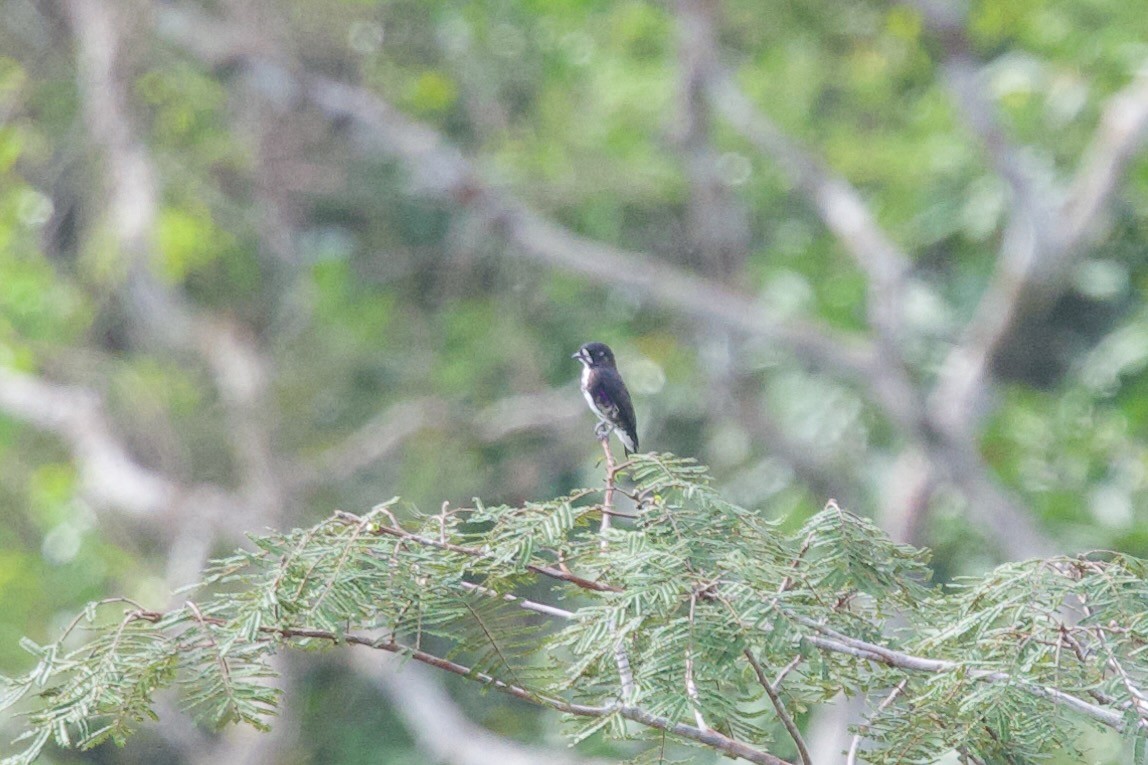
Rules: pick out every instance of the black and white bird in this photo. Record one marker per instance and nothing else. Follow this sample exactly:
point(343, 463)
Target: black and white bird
point(606, 393)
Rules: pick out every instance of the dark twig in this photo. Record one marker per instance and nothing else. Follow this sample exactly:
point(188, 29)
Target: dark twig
point(779, 706)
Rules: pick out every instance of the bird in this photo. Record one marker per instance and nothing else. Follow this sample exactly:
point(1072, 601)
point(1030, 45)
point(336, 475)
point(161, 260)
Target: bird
point(606, 393)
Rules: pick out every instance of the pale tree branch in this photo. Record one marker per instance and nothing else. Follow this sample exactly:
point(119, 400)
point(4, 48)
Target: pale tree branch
point(957, 403)
point(1045, 234)
point(717, 224)
point(855, 745)
point(242, 372)
point(439, 170)
point(109, 474)
point(835, 200)
point(377, 439)
point(689, 293)
point(848, 217)
point(523, 603)
point(1120, 135)
point(160, 313)
point(161, 316)
point(127, 171)
point(998, 514)
point(1041, 240)
point(836, 642)
point(886, 266)
point(691, 685)
point(111, 478)
point(391, 428)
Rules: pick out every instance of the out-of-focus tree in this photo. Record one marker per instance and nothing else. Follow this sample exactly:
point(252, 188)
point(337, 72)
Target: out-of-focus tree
point(259, 260)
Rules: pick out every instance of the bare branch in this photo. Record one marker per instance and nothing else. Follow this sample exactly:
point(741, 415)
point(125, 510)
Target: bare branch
point(835, 200)
point(110, 475)
point(438, 169)
point(1119, 136)
point(717, 226)
point(691, 686)
point(374, 441)
point(855, 746)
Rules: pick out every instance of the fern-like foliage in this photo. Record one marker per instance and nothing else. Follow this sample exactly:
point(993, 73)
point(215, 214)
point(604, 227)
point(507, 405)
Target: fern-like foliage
point(696, 619)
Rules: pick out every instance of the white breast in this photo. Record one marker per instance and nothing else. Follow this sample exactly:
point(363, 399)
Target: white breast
point(585, 389)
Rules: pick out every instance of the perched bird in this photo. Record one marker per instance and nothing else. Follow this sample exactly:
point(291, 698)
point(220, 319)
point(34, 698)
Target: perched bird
point(604, 391)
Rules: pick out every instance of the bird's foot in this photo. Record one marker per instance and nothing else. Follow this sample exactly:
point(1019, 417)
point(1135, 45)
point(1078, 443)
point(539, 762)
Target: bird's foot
point(602, 430)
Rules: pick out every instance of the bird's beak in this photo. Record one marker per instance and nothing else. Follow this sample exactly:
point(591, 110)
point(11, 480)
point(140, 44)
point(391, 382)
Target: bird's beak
point(578, 355)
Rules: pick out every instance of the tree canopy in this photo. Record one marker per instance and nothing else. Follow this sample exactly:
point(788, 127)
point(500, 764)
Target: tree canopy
point(700, 609)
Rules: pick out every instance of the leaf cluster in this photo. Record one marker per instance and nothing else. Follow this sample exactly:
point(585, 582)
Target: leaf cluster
point(664, 620)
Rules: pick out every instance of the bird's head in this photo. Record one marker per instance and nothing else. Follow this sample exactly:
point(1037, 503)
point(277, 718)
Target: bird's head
point(595, 355)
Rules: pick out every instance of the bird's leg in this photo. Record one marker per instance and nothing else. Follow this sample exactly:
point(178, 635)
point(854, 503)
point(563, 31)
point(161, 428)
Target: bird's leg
point(602, 430)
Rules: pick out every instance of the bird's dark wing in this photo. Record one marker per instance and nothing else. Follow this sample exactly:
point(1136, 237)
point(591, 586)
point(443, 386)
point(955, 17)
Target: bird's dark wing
point(613, 401)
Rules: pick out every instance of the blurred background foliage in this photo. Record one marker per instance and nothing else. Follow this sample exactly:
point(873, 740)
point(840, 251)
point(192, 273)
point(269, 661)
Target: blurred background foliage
point(386, 337)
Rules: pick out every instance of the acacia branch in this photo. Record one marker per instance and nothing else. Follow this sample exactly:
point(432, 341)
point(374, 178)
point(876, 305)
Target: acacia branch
point(637, 714)
point(440, 727)
point(825, 638)
point(549, 571)
point(779, 706)
point(524, 603)
point(831, 640)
